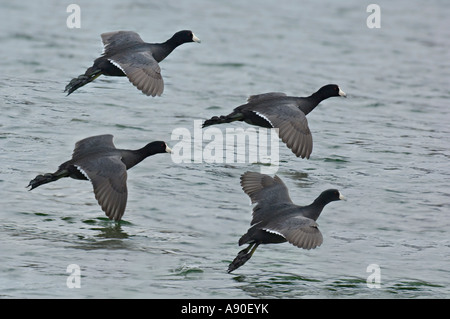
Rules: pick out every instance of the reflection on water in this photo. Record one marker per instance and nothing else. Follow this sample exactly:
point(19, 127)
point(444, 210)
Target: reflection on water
point(111, 232)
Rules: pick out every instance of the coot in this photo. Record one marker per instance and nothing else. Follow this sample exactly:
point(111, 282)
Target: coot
point(97, 159)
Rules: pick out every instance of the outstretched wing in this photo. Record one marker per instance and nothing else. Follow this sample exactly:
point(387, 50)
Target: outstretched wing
point(97, 144)
point(108, 175)
point(258, 98)
point(260, 187)
point(265, 190)
point(142, 70)
point(300, 231)
point(117, 40)
point(291, 123)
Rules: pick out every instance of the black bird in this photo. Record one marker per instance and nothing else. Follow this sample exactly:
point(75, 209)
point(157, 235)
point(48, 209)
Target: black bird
point(97, 159)
point(276, 219)
point(286, 113)
point(126, 54)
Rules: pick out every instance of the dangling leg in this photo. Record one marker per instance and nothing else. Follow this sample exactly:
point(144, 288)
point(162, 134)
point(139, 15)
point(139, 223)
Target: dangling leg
point(47, 178)
point(242, 257)
point(90, 75)
point(223, 119)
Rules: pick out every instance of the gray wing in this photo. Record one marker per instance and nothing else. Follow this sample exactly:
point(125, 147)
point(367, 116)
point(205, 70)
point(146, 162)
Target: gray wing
point(271, 194)
point(260, 187)
point(300, 231)
point(142, 70)
point(108, 176)
point(257, 98)
point(291, 123)
point(117, 40)
point(93, 144)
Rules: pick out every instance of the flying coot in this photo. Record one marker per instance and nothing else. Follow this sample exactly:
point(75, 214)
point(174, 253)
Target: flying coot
point(276, 219)
point(286, 113)
point(126, 54)
point(97, 159)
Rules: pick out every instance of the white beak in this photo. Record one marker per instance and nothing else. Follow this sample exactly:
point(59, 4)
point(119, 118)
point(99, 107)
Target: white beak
point(195, 39)
point(342, 93)
point(341, 197)
point(168, 149)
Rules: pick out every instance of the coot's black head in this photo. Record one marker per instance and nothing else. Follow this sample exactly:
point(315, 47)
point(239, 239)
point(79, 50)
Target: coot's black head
point(331, 195)
point(185, 36)
point(331, 90)
point(157, 147)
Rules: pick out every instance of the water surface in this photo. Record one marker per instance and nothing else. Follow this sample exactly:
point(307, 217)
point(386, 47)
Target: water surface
point(386, 147)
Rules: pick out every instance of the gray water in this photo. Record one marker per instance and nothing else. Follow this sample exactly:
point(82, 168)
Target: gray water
point(385, 147)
